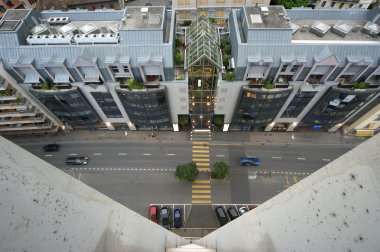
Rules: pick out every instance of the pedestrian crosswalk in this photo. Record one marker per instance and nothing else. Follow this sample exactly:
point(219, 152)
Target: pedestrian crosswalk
point(201, 188)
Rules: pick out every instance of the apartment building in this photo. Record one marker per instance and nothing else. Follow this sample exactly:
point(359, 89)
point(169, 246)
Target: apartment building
point(342, 4)
point(141, 68)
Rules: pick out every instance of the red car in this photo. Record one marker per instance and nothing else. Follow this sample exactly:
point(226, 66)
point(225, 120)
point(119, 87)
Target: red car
point(153, 213)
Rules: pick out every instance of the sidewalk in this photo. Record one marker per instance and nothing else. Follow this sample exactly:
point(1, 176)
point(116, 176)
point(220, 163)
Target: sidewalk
point(242, 138)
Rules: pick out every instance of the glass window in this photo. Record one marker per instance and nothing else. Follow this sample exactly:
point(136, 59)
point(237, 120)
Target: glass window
point(237, 1)
point(114, 69)
point(219, 13)
point(204, 1)
point(219, 1)
point(180, 2)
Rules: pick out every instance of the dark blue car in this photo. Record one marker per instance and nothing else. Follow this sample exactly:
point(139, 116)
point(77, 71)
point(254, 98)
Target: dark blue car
point(249, 161)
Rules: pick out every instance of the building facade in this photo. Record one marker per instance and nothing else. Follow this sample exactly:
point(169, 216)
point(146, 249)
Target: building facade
point(142, 68)
point(342, 4)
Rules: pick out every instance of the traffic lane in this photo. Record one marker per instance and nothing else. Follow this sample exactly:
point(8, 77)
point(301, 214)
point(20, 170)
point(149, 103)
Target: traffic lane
point(137, 190)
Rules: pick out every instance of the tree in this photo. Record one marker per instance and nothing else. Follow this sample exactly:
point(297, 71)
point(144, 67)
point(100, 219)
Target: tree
point(229, 76)
point(187, 172)
point(288, 4)
point(183, 120)
point(221, 170)
point(218, 120)
point(360, 85)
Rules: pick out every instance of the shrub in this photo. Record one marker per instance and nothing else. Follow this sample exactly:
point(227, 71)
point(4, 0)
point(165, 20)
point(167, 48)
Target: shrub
point(360, 85)
point(45, 86)
point(183, 120)
point(268, 85)
point(221, 170)
point(178, 59)
point(229, 76)
point(218, 120)
point(134, 84)
point(186, 23)
point(187, 172)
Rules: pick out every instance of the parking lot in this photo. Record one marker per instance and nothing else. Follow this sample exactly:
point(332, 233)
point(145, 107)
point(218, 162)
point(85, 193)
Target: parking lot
point(199, 220)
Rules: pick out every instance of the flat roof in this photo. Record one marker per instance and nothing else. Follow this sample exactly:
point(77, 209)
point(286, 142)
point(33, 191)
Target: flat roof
point(354, 34)
point(268, 17)
point(143, 18)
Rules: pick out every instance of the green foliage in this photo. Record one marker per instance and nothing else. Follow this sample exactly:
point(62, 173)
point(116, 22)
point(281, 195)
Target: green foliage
point(221, 170)
point(183, 120)
point(360, 85)
point(225, 45)
point(178, 59)
point(229, 76)
point(218, 120)
point(288, 4)
point(268, 85)
point(45, 86)
point(186, 23)
point(212, 20)
point(187, 172)
point(134, 84)
point(178, 42)
point(226, 58)
point(54, 87)
point(180, 77)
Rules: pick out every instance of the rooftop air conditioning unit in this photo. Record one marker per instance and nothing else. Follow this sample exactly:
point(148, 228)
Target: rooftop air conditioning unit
point(265, 13)
point(305, 28)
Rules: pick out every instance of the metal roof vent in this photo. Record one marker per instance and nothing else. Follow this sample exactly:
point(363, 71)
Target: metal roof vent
point(319, 28)
point(256, 19)
point(144, 12)
point(294, 27)
point(341, 29)
point(88, 28)
point(371, 29)
point(264, 9)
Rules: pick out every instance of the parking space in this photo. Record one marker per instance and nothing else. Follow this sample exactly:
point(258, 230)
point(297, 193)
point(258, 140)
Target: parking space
point(177, 214)
point(228, 212)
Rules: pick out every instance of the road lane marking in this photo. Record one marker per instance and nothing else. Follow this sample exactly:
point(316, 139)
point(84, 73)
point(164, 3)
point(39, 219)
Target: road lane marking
point(200, 147)
point(48, 155)
point(146, 154)
point(326, 159)
point(171, 154)
point(122, 154)
point(201, 155)
point(201, 196)
point(97, 154)
point(200, 191)
point(73, 154)
point(301, 158)
point(201, 143)
point(201, 151)
point(201, 181)
point(201, 186)
point(201, 159)
point(202, 164)
point(201, 201)
point(277, 157)
point(219, 155)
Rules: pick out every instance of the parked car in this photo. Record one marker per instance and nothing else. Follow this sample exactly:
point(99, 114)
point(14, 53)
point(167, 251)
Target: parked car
point(153, 213)
point(232, 213)
point(165, 217)
point(51, 147)
point(148, 4)
point(177, 218)
point(221, 215)
point(77, 160)
point(243, 210)
point(250, 160)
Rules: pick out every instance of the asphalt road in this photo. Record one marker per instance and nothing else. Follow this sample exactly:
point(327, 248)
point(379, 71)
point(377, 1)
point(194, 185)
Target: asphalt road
point(137, 175)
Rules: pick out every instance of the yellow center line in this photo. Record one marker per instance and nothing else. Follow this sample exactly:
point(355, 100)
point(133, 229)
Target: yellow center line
point(201, 186)
point(201, 191)
point(201, 181)
point(201, 196)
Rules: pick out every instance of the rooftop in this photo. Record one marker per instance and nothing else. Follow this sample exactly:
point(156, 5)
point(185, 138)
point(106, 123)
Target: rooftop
point(143, 18)
point(266, 17)
point(352, 29)
point(12, 18)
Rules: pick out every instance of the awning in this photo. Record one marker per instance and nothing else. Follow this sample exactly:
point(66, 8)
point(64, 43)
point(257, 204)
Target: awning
point(62, 78)
point(32, 78)
point(256, 72)
point(152, 70)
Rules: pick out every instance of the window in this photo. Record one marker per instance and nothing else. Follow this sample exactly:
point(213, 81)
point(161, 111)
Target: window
point(341, 5)
point(294, 68)
point(350, 6)
point(203, 13)
point(333, 3)
point(184, 15)
point(219, 1)
point(187, 2)
point(203, 1)
point(219, 13)
point(180, 2)
point(323, 3)
point(283, 68)
point(237, 1)
point(114, 69)
point(258, 1)
point(126, 69)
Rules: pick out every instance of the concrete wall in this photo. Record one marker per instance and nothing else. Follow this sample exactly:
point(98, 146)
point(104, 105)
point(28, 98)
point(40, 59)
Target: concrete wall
point(334, 209)
point(44, 209)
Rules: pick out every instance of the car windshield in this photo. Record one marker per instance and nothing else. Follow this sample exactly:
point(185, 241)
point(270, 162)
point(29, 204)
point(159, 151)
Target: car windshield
point(177, 215)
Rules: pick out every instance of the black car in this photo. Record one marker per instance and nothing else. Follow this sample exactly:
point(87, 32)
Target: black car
point(165, 217)
point(221, 215)
point(177, 218)
point(77, 160)
point(51, 147)
point(232, 213)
